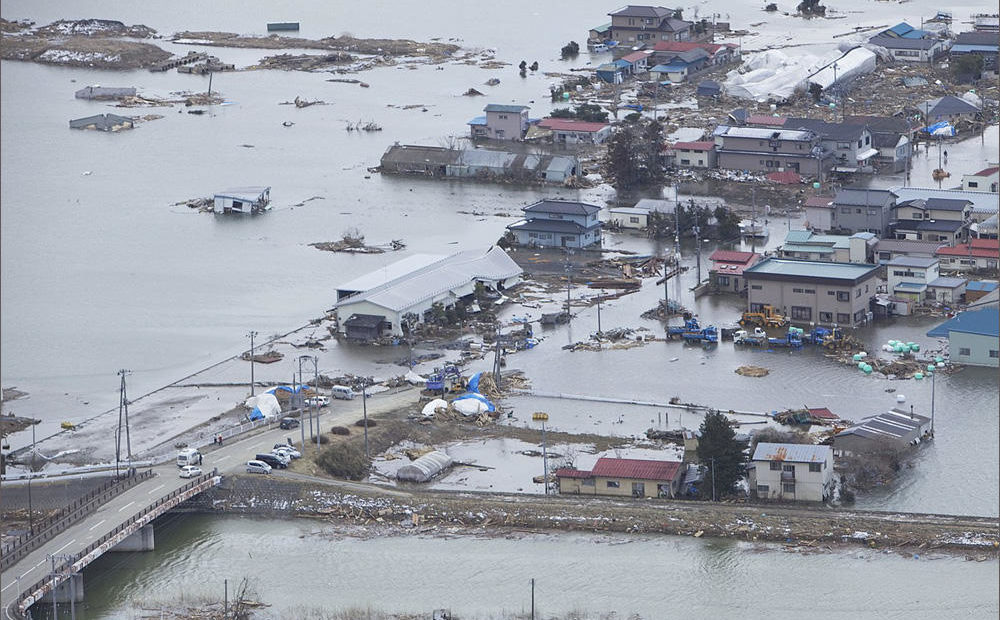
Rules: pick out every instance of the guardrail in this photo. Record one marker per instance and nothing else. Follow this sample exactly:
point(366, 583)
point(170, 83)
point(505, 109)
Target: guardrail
point(46, 584)
point(73, 471)
point(44, 530)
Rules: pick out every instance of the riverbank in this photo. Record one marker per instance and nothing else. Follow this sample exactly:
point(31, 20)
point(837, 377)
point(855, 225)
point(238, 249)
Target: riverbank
point(430, 513)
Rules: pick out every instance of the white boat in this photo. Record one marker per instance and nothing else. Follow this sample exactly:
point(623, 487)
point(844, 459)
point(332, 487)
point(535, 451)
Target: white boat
point(752, 228)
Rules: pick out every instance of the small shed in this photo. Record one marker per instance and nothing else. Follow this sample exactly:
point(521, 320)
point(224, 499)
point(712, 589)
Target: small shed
point(425, 467)
point(242, 200)
point(365, 327)
point(102, 122)
point(709, 88)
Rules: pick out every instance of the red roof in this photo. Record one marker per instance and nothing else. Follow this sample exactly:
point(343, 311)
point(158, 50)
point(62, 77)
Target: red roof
point(819, 201)
point(978, 248)
point(788, 177)
point(822, 413)
point(732, 262)
point(637, 469)
point(634, 56)
point(705, 145)
point(572, 473)
point(764, 119)
point(985, 172)
point(569, 124)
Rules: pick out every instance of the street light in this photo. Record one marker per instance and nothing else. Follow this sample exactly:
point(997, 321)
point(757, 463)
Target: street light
point(540, 416)
point(251, 336)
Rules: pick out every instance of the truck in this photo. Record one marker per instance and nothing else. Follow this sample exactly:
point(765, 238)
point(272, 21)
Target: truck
point(678, 331)
point(793, 339)
point(756, 338)
point(768, 316)
point(706, 334)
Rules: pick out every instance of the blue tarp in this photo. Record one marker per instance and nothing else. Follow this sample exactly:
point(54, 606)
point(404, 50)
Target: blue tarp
point(940, 129)
point(474, 382)
point(479, 397)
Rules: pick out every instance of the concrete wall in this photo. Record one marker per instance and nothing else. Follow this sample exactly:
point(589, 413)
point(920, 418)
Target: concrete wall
point(856, 218)
point(141, 540)
point(695, 159)
point(820, 218)
point(973, 349)
point(821, 299)
point(506, 125)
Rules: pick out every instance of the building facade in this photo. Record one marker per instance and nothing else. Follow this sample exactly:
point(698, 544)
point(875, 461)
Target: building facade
point(909, 276)
point(640, 24)
point(863, 210)
point(503, 122)
point(768, 150)
point(624, 477)
point(786, 471)
point(558, 223)
point(726, 274)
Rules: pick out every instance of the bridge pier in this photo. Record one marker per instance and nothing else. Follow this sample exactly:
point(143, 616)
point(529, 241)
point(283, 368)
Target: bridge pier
point(141, 540)
point(67, 591)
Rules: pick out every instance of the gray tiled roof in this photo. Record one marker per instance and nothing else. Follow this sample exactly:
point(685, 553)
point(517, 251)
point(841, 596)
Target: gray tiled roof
point(563, 207)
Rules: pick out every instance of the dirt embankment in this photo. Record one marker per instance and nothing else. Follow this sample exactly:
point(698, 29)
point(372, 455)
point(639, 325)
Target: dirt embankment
point(345, 43)
point(92, 43)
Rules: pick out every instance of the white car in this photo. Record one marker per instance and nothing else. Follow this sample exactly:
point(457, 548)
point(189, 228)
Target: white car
point(287, 450)
point(190, 471)
point(258, 467)
point(317, 401)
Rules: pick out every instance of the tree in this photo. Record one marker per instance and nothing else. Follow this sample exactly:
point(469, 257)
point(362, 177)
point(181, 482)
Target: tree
point(633, 157)
point(771, 8)
point(811, 7)
point(816, 91)
point(571, 50)
point(719, 450)
point(966, 67)
point(729, 223)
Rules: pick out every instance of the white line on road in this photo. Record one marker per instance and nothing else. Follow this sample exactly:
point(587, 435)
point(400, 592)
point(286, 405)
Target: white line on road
point(151, 491)
point(64, 546)
point(98, 523)
point(7, 586)
point(125, 506)
point(222, 458)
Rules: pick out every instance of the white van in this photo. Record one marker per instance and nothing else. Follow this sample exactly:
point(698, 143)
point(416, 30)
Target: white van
point(342, 392)
point(188, 456)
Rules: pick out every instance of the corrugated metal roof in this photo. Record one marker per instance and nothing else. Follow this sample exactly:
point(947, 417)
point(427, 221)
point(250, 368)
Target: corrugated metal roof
point(983, 322)
point(503, 107)
point(800, 247)
point(759, 133)
point(243, 193)
point(988, 201)
point(390, 272)
point(564, 207)
point(812, 269)
point(732, 256)
point(946, 282)
point(791, 452)
point(892, 424)
point(982, 285)
point(636, 469)
point(912, 261)
point(573, 473)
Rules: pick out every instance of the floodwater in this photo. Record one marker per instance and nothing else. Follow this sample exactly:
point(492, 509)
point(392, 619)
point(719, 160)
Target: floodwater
point(655, 577)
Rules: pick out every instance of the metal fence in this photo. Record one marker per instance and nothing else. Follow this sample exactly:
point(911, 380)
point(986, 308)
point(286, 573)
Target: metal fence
point(46, 584)
point(49, 527)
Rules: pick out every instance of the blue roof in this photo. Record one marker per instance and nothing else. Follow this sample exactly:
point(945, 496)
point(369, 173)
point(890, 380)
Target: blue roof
point(985, 322)
point(982, 285)
point(915, 286)
point(607, 67)
point(964, 48)
point(479, 120)
point(622, 63)
point(915, 34)
point(671, 67)
point(901, 28)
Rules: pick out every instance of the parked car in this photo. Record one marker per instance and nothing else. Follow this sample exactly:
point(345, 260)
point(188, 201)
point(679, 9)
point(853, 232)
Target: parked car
point(342, 392)
point(273, 460)
point(258, 467)
point(287, 449)
point(188, 456)
point(190, 471)
point(317, 401)
point(287, 423)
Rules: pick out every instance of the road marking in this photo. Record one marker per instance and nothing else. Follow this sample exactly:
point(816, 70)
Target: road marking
point(98, 523)
point(7, 586)
point(222, 458)
point(64, 546)
point(125, 506)
point(151, 491)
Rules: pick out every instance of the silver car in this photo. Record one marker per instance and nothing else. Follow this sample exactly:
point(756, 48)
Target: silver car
point(258, 467)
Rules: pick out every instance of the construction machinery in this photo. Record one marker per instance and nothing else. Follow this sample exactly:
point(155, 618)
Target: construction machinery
point(766, 317)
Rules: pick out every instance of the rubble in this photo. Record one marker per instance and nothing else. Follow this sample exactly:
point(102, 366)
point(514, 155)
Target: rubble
point(752, 371)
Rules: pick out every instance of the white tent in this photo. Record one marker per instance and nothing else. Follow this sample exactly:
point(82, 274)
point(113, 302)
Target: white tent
point(424, 468)
point(773, 75)
point(855, 62)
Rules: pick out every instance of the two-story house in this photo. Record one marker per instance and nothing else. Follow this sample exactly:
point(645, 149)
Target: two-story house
point(910, 50)
point(948, 108)
point(699, 154)
point(977, 254)
point(771, 150)
point(909, 276)
point(716, 53)
point(502, 122)
point(675, 67)
point(892, 137)
point(640, 24)
point(986, 180)
point(851, 144)
point(558, 223)
point(932, 219)
point(788, 471)
point(807, 245)
point(863, 210)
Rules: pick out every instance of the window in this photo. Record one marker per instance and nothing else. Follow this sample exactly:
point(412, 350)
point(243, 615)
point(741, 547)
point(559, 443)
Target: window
point(831, 293)
point(859, 144)
point(685, 162)
point(775, 465)
point(857, 211)
point(613, 484)
point(857, 293)
point(587, 482)
point(868, 139)
point(846, 210)
point(872, 211)
point(973, 184)
point(826, 317)
point(796, 290)
point(859, 316)
point(801, 313)
point(633, 220)
point(756, 287)
point(815, 467)
point(723, 280)
point(810, 291)
point(502, 117)
point(843, 146)
point(843, 295)
point(964, 351)
point(788, 487)
point(994, 353)
point(790, 468)
point(763, 490)
point(843, 317)
point(555, 216)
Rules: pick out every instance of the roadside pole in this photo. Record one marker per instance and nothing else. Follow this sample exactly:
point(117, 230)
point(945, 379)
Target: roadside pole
point(540, 416)
point(364, 410)
point(251, 335)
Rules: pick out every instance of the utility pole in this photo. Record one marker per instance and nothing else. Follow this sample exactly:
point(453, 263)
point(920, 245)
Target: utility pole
point(599, 312)
point(251, 336)
point(933, 376)
point(31, 474)
point(713, 478)
point(697, 233)
point(569, 285)
point(497, 357)
point(540, 416)
point(753, 219)
point(532, 598)
point(364, 409)
point(123, 416)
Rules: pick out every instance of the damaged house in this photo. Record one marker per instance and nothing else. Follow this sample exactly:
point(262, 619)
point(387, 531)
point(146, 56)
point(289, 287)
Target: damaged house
point(558, 223)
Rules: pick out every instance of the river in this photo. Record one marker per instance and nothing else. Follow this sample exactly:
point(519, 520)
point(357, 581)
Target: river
point(478, 576)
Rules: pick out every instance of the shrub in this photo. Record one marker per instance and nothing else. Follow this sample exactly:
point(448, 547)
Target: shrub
point(361, 423)
point(340, 430)
point(344, 461)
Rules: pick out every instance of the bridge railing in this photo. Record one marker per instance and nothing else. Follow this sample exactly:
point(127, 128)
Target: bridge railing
point(41, 583)
point(44, 530)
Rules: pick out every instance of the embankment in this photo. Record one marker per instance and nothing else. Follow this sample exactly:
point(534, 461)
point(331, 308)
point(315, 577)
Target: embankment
point(817, 527)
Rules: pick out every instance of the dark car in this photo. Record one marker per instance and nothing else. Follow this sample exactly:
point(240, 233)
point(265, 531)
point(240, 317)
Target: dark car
point(271, 460)
point(287, 423)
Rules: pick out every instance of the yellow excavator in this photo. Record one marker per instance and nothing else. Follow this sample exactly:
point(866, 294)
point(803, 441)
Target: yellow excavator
point(767, 317)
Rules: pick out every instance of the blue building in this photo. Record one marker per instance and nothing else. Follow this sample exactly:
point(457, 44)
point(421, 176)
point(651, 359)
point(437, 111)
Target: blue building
point(973, 336)
point(558, 223)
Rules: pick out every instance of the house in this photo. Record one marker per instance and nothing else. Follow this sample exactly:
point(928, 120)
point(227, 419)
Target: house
point(932, 219)
point(986, 180)
point(558, 223)
point(946, 290)
point(599, 34)
point(771, 150)
point(863, 210)
point(490, 165)
point(891, 431)
point(413, 159)
point(974, 255)
point(910, 50)
point(819, 213)
point(807, 245)
point(977, 289)
point(984, 204)
point(413, 294)
point(242, 200)
point(726, 272)
point(629, 217)
point(613, 72)
point(624, 477)
point(984, 44)
point(851, 144)
point(708, 88)
point(972, 336)
point(892, 136)
point(639, 61)
point(640, 24)
point(675, 67)
point(699, 154)
point(909, 276)
point(888, 249)
point(788, 471)
point(813, 291)
point(102, 122)
point(503, 122)
point(716, 53)
point(945, 231)
point(573, 131)
point(103, 93)
point(948, 108)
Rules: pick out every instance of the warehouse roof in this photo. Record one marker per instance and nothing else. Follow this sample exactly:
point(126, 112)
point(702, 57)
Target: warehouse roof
point(786, 269)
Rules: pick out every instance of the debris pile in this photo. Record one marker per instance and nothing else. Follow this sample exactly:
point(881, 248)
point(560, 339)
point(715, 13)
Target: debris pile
point(752, 371)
